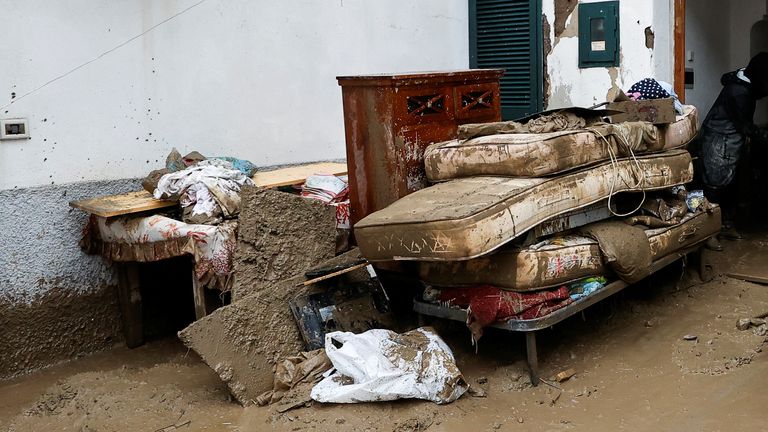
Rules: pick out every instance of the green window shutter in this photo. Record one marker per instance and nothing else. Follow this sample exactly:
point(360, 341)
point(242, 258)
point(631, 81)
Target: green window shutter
point(507, 34)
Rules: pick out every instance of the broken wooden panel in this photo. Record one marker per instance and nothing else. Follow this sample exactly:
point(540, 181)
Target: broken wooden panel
point(280, 235)
point(243, 341)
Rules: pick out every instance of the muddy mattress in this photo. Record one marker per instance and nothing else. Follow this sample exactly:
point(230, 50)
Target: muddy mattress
point(469, 217)
point(562, 259)
point(545, 154)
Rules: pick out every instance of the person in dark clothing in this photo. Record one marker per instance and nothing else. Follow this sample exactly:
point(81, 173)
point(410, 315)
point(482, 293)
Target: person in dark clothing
point(726, 129)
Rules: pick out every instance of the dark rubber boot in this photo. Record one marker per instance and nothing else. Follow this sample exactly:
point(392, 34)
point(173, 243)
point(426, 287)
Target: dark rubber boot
point(713, 244)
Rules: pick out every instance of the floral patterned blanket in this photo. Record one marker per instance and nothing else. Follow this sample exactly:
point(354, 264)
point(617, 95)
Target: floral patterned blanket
point(157, 237)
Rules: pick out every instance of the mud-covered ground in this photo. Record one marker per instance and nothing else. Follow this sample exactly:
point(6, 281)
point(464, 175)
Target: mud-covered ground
point(634, 371)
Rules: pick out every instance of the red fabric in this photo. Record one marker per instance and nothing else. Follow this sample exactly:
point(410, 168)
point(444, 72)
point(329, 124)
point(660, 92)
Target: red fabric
point(487, 304)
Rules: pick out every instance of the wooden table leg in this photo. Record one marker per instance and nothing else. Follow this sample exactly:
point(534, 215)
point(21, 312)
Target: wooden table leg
point(533, 361)
point(129, 295)
point(198, 292)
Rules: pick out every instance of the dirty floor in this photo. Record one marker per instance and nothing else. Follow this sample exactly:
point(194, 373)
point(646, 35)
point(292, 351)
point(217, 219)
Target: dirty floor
point(635, 371)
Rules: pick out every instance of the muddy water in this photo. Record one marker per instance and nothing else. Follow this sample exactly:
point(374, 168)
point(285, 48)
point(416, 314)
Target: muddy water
point(634, 372)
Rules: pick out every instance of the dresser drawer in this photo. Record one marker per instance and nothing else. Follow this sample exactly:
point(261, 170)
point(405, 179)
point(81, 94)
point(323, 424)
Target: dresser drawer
point(424, 105)
point(477, 101)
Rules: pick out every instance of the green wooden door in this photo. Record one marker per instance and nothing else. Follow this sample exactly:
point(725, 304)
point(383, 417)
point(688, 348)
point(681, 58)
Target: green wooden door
point(507, 34)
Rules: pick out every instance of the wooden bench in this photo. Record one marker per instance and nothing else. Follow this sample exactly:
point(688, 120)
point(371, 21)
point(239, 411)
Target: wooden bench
point(142, 203)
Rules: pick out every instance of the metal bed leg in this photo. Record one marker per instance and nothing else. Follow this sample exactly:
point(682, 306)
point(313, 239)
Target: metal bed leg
point(706, 273)
point(422, 320)
point(533, 361)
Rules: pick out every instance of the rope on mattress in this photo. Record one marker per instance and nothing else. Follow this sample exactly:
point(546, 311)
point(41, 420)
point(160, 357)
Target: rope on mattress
point(612, 154)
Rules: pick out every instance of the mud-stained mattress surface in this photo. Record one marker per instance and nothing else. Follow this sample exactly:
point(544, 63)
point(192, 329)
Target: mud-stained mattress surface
point(466, 218)
point(546, 154)
point(561, 259)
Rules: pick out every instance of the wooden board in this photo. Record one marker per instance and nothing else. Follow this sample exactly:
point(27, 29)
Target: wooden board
point(747, 261)
point(136, 202)
point(118, 205)
point(752, 269)
point(755, 278)
point(297, 174)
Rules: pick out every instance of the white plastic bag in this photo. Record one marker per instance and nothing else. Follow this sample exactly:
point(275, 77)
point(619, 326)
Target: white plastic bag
point(381, 365)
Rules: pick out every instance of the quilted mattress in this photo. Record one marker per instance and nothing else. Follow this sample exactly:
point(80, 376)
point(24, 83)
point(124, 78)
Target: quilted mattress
point(561, 259)
point(536, 155)
point(469, 217)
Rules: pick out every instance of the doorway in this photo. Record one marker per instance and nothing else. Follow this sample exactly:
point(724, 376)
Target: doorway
point(721, 36)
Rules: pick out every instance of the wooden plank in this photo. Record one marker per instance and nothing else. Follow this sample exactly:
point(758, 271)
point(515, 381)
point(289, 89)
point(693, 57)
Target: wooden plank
point(198, 294)
point(129, 296)
point(297, 174)
point(123, 204)
point(750, 263)
point(755, 278)
point(141, 201)
point(334, 274)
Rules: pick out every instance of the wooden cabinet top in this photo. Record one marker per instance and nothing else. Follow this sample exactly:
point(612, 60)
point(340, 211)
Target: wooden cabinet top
point(421, 78)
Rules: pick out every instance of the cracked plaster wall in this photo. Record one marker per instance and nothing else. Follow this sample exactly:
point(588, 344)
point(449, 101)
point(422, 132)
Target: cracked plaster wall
point(569, 85)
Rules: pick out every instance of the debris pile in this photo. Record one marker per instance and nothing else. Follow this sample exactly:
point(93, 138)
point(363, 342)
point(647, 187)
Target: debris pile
point(525, 220)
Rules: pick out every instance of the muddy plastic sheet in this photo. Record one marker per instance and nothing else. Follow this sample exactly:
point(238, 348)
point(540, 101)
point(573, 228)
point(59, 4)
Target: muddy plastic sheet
point(155, 238)
point(381, 365)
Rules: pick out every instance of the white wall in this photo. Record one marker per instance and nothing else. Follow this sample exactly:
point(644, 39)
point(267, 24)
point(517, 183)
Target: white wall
point(710, 47)
point(571, 85)
point(744, 13)
point(717, 51)
point(253, 79)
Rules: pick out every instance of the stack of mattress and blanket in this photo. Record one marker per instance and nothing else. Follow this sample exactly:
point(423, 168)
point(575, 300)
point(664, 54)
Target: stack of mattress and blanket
point(471, 230)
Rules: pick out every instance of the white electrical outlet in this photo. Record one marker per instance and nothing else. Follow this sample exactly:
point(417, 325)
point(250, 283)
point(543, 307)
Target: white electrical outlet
point(12, 129)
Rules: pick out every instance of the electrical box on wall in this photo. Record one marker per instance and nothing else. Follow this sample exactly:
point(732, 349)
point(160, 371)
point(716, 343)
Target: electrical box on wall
point(599, 34)
point(688, 78)
point(12, 129)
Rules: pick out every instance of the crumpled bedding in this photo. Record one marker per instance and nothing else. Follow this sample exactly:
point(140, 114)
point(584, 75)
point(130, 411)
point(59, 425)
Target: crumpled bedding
point(554, 122)
point(209, 191)
point(154, 238)
point(626, 248)
point(487, 304)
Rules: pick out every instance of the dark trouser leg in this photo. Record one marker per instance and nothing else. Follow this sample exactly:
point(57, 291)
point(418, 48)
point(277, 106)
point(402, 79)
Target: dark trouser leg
point(533, 359)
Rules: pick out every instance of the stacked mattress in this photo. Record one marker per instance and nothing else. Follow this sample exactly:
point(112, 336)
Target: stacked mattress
point(546, 154)
point(561, 259)
point(491, 191)
point(468, 217)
